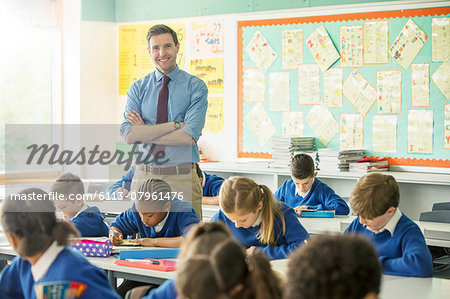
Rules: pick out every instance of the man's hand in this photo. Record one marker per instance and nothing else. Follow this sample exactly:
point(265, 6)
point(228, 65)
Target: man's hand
point(134, 118)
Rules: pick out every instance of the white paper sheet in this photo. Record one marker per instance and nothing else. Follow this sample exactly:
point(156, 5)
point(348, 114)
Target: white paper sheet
point(447, 126)
point(384, 133)
point(254, 86)
point(260, 52)
point(279, 91)
point(322, 48)
point(308, 84)
point(206, 38)
point(440, 38)
point(420, 131)
point(322, 122)
point(376, 42)
point(359, 92)
point(441, 78)
point(260, 124)
point(420, 85)
point(389, 92)
point(292, 43)
point(351, 50)
point(293, 124)
point(332, 88)
point(351, 132)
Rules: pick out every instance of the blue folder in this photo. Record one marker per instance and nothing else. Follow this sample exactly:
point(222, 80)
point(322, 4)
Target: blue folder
point(153, 253)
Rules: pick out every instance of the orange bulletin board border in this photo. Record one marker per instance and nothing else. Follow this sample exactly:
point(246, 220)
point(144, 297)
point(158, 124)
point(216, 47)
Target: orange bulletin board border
point(319, 19)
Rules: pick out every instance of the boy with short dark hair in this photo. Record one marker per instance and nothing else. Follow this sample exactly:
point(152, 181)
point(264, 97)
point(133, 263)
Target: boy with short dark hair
point(88, 220)
point(399, 241)
point(304, 191)
point(334, 267)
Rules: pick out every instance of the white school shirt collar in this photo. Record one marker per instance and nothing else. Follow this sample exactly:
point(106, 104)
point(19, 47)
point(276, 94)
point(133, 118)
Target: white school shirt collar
point(258, 221)
point(392, 223)
point(160, 225)
point(298, 192)
point(83, 208)
point(203, 180)
point(41, 267)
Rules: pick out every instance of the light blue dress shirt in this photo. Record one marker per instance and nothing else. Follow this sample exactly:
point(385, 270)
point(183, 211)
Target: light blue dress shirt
point(187, 103)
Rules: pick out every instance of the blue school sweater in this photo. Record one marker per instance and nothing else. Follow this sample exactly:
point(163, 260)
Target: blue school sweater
point(16, 280)
point(295, 234)
point(212, 185)
point(90, 223)
point(127, 178)
point(405, 253)
point(177, 223)
point(167, 290)
point(319, 197)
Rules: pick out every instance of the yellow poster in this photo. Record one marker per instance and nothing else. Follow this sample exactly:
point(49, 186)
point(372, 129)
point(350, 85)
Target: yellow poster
point(210, 71)
point(214, 115)
point(134, 60)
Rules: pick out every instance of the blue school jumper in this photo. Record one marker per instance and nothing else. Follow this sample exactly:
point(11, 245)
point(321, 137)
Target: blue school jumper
point(405, 253)
point(16, 280)
point(212, 185)
point(127, 178)
point(167, 290)
point(295, 234)
point(90, 223)
point(319, 197)
point(177, 223)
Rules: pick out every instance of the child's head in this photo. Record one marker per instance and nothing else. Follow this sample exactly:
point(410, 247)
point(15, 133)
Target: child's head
point(374, 199)
point(31, 224)
point(243, 201)
point(68, 191)
point(303, 172)
point(153, 201)
point(221, 268)
point(338, 266)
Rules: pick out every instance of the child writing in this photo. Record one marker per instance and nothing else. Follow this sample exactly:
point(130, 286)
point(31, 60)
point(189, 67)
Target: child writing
point(40, 240)
point(88, 220)
point(220, 267)
point(160, 221)
point(257, 220)
point(334, 267)
point(399, 241)
point(304, 191)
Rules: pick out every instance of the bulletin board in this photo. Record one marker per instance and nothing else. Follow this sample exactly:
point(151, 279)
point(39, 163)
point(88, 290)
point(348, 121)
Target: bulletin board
point(384, 87)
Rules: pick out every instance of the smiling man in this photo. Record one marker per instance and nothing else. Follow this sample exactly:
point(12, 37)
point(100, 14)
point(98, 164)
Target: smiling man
point(166, 111)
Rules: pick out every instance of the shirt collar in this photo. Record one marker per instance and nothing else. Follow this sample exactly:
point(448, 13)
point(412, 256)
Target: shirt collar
point(83, 208)
point(392, 223)
point(160, 225)
point(172, 75)
point(258, 221)
point(41, 267)
point(204, 179)
point(298, 192)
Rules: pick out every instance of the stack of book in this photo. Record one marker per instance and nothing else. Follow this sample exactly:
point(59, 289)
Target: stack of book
point(345, 157)
point(328, 159)
point(369, 165)
point(284, 148)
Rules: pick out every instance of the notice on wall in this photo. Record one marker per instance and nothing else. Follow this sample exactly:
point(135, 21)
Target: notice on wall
point(420, 131)
point(322, 48)
point(420, 85)
point(351, 132)
point(207, 39)
point(359, 92)
point(351, 41)
point(384, 133)
point(441, 77)
point(254, 86)
point(447, 126)
point(260, 124)
point(376, 42)
point(292, 47)
point(293, 124)
point(332, 88)
point(279, 91)
point(408, 44)
point(440, 38)
point(214, 115)
point(210, 70)
point(308, 84)
point(260, 52)
point(322, 122)
point(389, 92)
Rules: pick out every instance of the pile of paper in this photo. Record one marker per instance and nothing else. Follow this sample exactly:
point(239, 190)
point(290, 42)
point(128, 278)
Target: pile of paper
point(369, 165)
point(284, 148)
point(345, 157)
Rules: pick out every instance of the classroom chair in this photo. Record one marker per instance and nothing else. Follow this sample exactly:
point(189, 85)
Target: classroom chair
point(435, 216)
point(438, 206)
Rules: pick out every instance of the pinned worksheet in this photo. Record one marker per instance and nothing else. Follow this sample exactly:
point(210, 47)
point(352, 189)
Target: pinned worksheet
point(322, 48)
point(351, 131)
point(293, 124)
point(440, 38)
point(292, 49)
point(420, 85)
point(322, 122)
point(211, 71)
point(260, 124)
point(207, 38)
point(279, 91)
point(389, 92)
point(420, 131)
point(359, 92)
point(308, 84)
point(214, 115)
point(376, 42)
point(254, 86)
point(332, 88)
point(260, 52)
point(384, 133)
point(441, 78)
point(351, 41)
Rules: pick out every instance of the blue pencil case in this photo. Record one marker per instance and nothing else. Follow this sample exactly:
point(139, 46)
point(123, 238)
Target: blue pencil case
point(151, 253)
point(317, 214)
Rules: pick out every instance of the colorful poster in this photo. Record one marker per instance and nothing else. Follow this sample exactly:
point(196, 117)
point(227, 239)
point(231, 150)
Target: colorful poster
point(308, 84)
point(210, 70)
point(134, 59)
point(389, 92)
point(420, 131)
point(351, 130)
point(376, 42)
point(359, 92)
point(420, 85)
point(440, 38)
point(408, 44)
point(254, 86)
point(332, 88)
point(293, 124)
point(447, 126)
point(214, 115)
point(260, 124)
point(351, 41)
point(322, 122)
point(441, 78)
point(322, 48)
point(384, 133)
point(206, 38)
point(292, 44)
point(260, 52)
point(279, 91)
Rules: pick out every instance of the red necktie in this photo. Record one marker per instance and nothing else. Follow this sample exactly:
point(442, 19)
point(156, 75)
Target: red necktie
point(161, 112)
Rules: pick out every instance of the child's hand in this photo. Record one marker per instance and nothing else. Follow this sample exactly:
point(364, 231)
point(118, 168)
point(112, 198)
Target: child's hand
point(250, 250)
point(298, 210)
point(121, 193)
point(115, 235)
point(147, 242)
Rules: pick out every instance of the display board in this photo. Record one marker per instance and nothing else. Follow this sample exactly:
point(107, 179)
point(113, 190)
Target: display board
point(376, 80)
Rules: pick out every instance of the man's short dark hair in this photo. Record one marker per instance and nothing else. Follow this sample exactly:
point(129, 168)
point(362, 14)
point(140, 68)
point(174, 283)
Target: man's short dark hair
point(338, 266)
point(161, 29)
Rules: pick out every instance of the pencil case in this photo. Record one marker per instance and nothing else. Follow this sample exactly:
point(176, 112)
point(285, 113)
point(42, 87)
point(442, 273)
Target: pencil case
point(93, 248)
